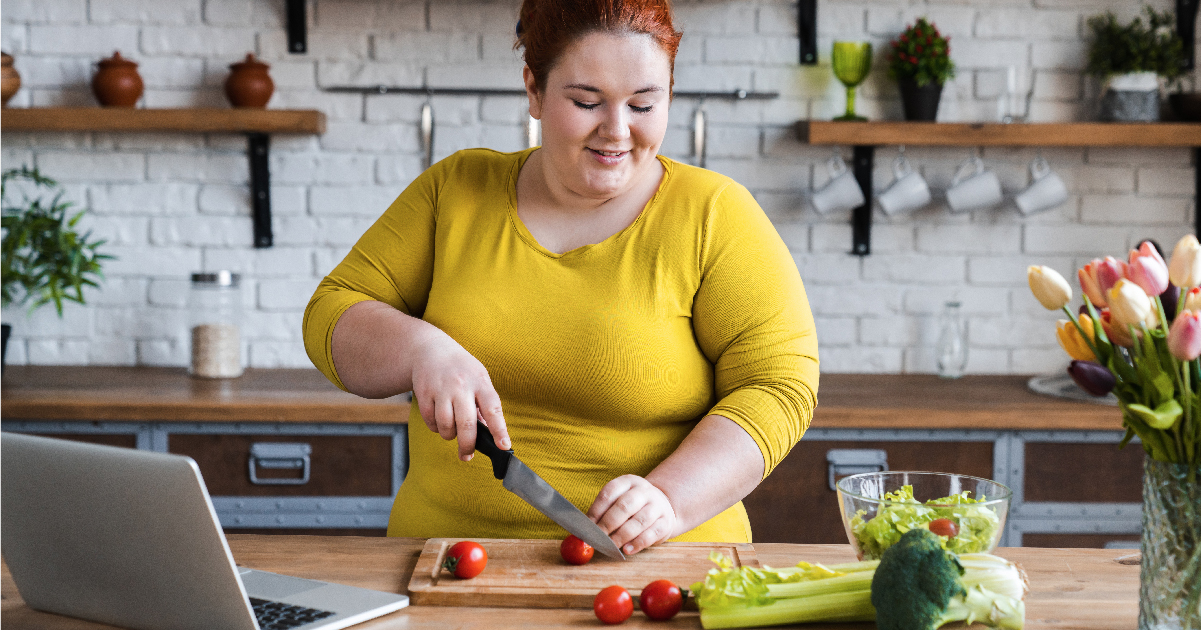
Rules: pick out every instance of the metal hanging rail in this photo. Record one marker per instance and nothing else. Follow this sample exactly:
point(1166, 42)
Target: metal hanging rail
point(736, 95)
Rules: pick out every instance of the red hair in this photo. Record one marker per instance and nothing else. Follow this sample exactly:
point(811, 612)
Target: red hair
point(547, 27)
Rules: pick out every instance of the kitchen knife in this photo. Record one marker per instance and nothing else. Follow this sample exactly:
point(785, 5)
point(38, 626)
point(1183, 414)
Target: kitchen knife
point(523, 482)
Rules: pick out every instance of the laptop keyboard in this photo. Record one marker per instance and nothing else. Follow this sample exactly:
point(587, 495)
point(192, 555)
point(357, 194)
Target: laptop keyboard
point(277, 616)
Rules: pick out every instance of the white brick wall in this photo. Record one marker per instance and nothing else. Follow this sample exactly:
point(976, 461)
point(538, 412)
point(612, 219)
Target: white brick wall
point(171, 204)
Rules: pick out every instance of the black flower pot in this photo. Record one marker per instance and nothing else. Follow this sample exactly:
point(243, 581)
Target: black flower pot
point(5, 331)
point(920, 102)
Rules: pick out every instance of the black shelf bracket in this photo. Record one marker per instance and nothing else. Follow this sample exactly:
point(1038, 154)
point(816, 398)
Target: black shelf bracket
point(1197, 191)
point(806, 28)
point(297, 27)
point(260, 187)
point(862, 161)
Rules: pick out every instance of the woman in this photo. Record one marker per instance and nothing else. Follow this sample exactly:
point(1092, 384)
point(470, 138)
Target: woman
point(633, 323)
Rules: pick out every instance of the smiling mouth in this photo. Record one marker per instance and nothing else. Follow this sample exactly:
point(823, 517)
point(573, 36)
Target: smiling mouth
point(608, 153)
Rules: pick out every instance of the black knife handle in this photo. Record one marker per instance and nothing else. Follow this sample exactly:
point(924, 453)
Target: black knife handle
point(486, 445)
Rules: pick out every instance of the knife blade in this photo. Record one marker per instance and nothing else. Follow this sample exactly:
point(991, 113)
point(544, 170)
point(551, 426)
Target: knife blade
point(517, 478)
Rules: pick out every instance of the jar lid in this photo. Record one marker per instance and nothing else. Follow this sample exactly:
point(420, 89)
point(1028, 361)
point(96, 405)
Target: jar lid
point(250, 63)
point(117, 61)
point(221, 278)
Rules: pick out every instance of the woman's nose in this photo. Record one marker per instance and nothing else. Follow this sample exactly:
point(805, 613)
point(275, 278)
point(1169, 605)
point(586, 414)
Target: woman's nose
point(616, 124)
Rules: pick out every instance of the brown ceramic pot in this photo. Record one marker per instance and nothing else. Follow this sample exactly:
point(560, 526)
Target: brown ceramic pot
point(248, 84)
point(10, 80)
point(117, 83)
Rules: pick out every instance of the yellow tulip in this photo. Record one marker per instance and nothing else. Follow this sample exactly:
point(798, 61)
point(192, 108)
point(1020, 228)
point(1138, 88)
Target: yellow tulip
point(1071, 340)
point(1048, 287)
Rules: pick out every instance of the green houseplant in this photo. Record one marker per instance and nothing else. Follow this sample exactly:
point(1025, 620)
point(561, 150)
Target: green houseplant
point(920, 60)
point(1130, 58)
point(44, 257)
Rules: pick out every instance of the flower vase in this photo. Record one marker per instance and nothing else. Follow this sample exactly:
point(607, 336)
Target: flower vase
point(1170, 583)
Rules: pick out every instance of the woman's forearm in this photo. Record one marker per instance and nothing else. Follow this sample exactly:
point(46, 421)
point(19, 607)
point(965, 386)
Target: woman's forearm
point(713, 468)
point(373, 347)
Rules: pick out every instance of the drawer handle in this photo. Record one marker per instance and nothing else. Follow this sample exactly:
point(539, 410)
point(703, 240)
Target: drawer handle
point(280, 456)
point(841, 462)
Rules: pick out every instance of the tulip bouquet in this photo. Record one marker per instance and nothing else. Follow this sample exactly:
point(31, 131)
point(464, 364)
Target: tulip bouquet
point(1137, 336)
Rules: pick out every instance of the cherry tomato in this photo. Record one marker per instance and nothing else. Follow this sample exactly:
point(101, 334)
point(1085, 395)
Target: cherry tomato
point(613, 605)
point(575, 551)
point(465, 559)
point(661, 600)
point(944, 527)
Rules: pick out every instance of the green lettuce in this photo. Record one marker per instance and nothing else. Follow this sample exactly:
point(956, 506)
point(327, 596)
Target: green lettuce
point(900, 512)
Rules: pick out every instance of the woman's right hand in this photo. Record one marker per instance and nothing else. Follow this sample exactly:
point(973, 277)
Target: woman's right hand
point(449, 386)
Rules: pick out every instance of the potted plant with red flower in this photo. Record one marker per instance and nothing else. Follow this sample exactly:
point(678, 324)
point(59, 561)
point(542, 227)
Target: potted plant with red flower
point(920, 60)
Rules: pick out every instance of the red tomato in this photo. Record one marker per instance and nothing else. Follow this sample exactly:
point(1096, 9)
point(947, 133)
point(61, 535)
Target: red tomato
point(613, 605)
point(944, 527)
point(466, 559)
point(575, 551)
point(661, 600)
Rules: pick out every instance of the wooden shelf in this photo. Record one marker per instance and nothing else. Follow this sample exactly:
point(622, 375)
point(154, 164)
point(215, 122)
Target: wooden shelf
point(1078, 134)
point(200, 120)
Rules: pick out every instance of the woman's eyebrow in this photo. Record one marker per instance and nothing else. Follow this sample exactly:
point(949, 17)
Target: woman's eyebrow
point(588, 88)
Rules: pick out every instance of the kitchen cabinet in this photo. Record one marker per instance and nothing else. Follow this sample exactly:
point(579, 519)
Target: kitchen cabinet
point(342, 459)
point(1071, 484)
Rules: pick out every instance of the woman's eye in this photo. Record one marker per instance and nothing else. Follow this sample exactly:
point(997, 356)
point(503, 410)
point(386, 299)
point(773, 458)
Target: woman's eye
point(641, 110)
point(585, 105)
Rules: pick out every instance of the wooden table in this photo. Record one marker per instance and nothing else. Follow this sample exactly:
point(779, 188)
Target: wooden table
point(1071, 589)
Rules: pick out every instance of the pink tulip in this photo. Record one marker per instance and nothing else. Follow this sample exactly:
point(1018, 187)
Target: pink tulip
point(1147, 269)
point(1184, 338)
point(1089, 284)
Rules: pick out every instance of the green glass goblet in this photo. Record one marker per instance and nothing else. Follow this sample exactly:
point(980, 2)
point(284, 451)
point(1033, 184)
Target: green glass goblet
point(852, 62)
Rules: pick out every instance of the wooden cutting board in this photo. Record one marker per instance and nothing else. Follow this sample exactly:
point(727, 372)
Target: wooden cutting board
point(532, 574)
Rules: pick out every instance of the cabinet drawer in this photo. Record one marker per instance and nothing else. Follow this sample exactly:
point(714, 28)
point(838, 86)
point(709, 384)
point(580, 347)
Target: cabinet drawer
point(339, 465)
point(1081, 541)
point(796, 505)
point(1092, 473)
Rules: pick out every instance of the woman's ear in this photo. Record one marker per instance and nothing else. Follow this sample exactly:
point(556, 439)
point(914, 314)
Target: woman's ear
point(531, 90)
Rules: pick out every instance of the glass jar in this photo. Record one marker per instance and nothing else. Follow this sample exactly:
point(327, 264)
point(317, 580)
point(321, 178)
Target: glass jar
point(215, 320)
point(951, 352)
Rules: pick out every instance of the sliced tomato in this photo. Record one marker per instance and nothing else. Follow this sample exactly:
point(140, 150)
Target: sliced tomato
point(465, 559)
point(613, 605)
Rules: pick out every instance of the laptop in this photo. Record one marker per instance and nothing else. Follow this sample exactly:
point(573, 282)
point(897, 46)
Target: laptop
point(130, 538)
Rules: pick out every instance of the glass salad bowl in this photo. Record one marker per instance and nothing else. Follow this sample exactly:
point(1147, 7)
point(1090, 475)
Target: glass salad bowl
point(968, 513)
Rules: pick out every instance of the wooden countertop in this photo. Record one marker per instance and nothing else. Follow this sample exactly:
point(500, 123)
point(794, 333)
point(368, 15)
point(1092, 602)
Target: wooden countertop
point(169, 395)
point(850, 401)
point(1071, 589)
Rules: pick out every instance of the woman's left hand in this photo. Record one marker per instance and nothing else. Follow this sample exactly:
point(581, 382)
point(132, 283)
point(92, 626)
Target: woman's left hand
point(634, 513)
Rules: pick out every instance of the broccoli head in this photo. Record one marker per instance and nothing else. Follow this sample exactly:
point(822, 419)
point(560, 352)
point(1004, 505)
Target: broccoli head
point(918, 586)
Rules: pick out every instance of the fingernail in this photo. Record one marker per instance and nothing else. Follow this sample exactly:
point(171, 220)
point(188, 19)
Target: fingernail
point(629, 549)
point(466, 457)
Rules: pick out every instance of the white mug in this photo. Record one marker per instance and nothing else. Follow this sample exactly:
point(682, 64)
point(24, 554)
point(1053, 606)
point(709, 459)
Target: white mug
point(1046, 190)
point(908, 191)
point(842, 192)
point(981, 189)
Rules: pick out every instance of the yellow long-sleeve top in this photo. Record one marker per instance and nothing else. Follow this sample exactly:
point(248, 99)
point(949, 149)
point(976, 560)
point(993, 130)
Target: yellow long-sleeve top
point(605, 356)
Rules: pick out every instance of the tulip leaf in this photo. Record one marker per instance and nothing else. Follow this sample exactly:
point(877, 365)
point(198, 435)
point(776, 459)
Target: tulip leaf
point(1152, 440)
point(1162, 417)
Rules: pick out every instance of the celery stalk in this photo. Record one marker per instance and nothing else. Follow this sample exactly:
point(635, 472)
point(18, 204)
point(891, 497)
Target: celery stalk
point(832, 607)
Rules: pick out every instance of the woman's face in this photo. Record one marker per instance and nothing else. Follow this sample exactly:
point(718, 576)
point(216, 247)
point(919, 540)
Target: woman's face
point(603, 113)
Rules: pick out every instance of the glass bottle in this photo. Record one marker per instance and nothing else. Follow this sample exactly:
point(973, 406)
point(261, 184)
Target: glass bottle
point(215, 320)
point(951, 352)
